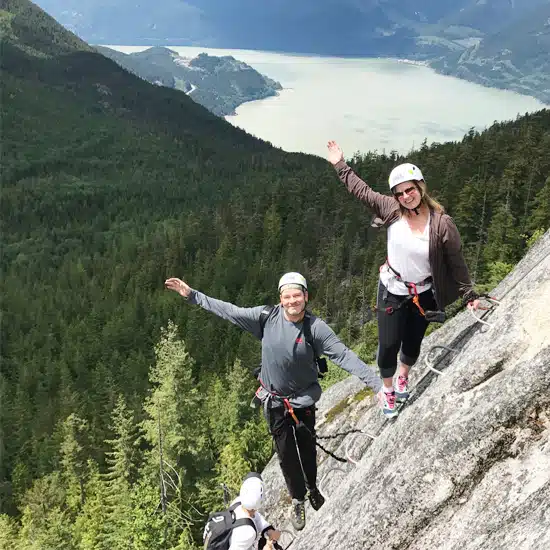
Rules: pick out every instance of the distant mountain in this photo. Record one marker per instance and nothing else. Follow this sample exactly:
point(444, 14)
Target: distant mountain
point(333, 27)
point(435, 31)
point(140, 67)
point(338, 27)
point(218, 83)
point(516, 57)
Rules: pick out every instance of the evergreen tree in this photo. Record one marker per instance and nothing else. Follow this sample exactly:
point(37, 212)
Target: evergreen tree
point(122, 463)
point(45, 521)
point(540, 217)
point(73, 459)
point(175, 429)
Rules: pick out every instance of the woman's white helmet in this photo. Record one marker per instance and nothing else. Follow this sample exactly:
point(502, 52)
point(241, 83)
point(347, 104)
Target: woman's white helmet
point(404, 172)
point(294, 279)
point(251, 494)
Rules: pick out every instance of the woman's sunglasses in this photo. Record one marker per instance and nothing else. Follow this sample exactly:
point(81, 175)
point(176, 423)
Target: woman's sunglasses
point(409, 190)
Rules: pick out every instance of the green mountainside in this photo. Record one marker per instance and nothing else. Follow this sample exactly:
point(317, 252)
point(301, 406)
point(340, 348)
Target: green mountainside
point(31, 29)
point(218, 83)
point(153, 73)
point(111, 184)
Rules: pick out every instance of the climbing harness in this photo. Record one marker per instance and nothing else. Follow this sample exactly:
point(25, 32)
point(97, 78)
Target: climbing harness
point(413, 293)
point(264, 396)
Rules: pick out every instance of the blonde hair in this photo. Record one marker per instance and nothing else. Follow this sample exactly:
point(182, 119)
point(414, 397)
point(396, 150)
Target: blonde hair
point(430, 202)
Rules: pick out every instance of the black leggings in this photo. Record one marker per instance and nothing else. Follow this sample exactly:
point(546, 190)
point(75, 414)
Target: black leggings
point(401, 331)
point(285, 435)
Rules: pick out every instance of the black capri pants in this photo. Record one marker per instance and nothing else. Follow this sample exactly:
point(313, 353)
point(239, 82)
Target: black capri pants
point(401, 331)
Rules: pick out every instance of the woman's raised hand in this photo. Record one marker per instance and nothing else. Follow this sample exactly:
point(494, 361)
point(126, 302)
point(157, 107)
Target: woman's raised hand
point(335, 154)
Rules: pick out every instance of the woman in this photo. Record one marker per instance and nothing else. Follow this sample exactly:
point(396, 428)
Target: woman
point(424, 271)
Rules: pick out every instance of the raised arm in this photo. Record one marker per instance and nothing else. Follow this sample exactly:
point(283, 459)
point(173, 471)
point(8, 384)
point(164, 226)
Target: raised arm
point(327, 343)
point(247, 318)
point(382, 205)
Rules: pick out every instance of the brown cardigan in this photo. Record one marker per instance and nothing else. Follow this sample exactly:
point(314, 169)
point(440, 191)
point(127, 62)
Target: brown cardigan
point(449, 271)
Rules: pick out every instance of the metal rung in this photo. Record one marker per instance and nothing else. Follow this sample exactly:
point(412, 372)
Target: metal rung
point(335, 468)
point(346, 452)
point(492, 301)
point(428, 362)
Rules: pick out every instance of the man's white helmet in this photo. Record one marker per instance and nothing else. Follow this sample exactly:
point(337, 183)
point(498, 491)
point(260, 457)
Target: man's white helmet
point(294, 279)
point(251, 494)
point(404, 172)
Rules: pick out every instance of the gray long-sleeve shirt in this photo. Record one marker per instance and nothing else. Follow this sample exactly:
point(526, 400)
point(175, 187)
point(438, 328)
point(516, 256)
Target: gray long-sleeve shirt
point(288, 365)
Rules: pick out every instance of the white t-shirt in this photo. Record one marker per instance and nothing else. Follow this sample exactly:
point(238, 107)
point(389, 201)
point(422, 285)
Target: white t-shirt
point(408, 254)
point(244, 537)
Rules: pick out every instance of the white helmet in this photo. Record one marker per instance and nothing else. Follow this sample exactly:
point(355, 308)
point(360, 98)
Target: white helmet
point(251, 494)
point(293, 278)
point(404, 172)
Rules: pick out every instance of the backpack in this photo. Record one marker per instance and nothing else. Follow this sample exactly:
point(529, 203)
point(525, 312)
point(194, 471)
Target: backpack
point(321, 362)
point(220, 525)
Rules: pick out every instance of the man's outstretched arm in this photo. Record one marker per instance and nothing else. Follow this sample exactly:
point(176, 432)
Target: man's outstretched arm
point(327, 343)
point(247, 318)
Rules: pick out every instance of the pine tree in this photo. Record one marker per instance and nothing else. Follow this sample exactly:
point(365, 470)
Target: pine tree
point(73, 452)
point(540, 217)
point(503, 237)
point(175, 429)
point(8, 533)
point(122, 463)
point(45, 521)
point(93, 519)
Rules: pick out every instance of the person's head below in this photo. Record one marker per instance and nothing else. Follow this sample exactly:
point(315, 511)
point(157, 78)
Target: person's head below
point(251, 495)
point(409, 189)
point(293, 295)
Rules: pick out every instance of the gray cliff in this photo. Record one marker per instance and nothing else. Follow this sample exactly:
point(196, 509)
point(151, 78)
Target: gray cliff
point(466, 465)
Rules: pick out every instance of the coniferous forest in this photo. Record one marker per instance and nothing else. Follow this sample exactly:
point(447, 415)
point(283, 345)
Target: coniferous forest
point(108, 382)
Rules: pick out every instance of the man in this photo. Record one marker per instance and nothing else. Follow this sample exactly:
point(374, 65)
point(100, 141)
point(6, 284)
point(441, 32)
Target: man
point(289, 377)
point(251, 498)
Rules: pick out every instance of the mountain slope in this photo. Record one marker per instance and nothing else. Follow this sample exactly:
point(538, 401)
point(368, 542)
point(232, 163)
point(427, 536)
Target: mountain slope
point(32, 30)
point(218, 83)
point(151, 72)
point(517, 57)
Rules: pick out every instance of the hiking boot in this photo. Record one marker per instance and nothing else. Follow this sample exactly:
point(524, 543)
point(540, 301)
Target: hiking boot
point(298, 514)
point(387, 403)
point(402, 389)
point(316, 499)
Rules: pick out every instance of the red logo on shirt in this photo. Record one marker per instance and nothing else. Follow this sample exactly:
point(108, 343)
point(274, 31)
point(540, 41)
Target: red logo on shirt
point(299, 340)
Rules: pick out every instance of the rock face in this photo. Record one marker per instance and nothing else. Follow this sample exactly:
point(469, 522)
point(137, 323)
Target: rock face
point(466, 465)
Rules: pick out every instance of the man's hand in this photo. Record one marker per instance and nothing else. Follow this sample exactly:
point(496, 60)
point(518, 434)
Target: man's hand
point(273, 534)
point(335, 154)
point(179, 286)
